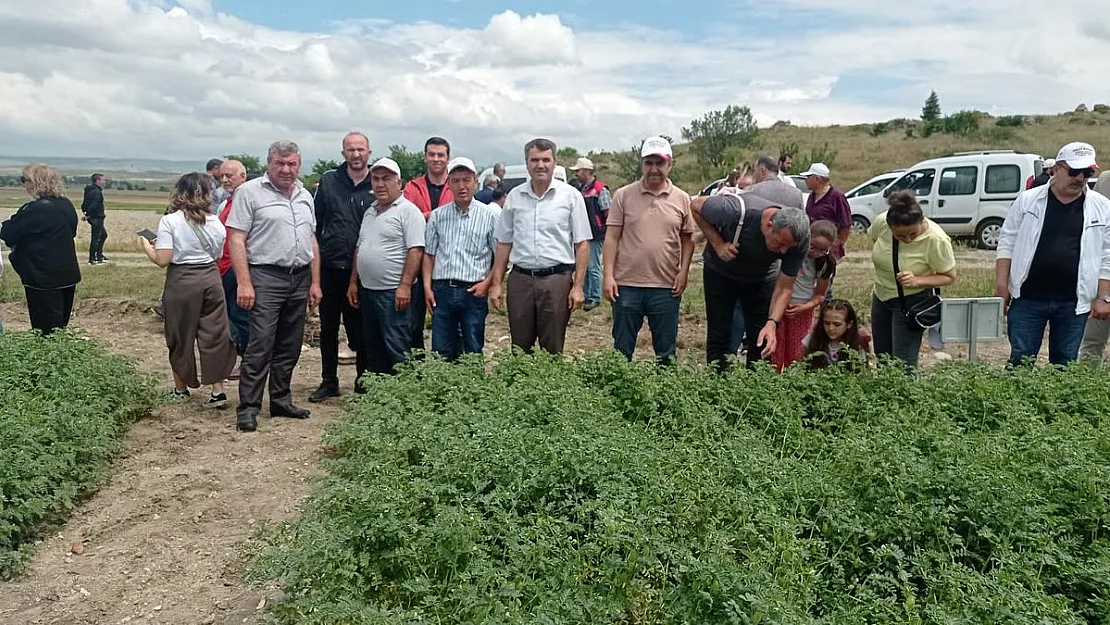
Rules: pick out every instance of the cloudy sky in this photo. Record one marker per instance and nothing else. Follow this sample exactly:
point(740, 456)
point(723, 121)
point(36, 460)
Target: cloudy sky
point(194, 78)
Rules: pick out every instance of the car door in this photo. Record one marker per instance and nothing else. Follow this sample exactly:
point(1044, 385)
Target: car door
point(957, 198)
point(920, 181)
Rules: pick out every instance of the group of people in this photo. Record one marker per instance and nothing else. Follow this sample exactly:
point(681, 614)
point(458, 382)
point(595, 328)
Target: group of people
point(247, 259)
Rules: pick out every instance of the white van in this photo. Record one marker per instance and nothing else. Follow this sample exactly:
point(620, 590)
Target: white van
point(969, 193)
point(516, 175)
point(866, 199)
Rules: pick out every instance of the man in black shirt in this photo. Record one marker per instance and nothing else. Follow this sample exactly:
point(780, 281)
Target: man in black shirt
point(341, 200)
point(1046, 173)
point(756, 266)
point(92, 207)
point(1054, 260)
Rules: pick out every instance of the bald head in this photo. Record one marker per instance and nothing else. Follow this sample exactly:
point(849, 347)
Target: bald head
point(232, 174)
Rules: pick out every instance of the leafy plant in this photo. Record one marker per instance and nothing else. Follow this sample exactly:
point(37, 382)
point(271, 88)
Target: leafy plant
point(1010, 121)
point(598, 491)
point(963, 123)
point(716, 131)
point(411, 162)
point(64, 407)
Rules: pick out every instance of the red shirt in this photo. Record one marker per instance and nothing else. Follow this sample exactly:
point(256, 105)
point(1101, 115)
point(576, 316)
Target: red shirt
point(225, 261)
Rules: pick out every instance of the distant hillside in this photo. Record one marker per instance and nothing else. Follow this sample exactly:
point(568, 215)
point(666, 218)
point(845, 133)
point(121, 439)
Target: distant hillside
point(137, 169)
point(868, 149)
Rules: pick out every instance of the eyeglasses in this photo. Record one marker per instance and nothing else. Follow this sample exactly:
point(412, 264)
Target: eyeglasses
point(1086, 173)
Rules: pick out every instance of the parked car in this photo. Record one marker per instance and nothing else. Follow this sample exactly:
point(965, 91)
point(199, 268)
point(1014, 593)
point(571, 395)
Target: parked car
point(970, 193)
point(866, 199)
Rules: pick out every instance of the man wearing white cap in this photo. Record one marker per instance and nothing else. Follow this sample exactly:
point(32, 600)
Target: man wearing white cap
point(458, 259)
point(545, 233)
point(598, 202)
point(387, 263)
point(828, 203)
point(1053, 264)
point(1046, 173)
point(648, 248)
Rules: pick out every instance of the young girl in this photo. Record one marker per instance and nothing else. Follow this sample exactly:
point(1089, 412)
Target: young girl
point(810, 287)
point(836, 336)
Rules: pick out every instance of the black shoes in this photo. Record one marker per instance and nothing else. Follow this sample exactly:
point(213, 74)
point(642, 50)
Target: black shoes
point(324, 391)
point(247, 421)
point(289, 412)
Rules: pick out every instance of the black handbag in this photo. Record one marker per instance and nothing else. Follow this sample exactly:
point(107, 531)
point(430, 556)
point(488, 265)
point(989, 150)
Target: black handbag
point(922, 310)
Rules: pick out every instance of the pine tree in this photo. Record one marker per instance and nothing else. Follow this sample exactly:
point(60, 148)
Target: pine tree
point(930, 114)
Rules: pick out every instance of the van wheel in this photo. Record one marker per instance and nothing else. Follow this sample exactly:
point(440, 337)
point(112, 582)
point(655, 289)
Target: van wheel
point(987, 233)
point(860, 224)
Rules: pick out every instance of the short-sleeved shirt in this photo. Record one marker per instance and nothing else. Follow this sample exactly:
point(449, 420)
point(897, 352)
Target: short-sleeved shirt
point(384, 241)
point(813, 271)
point(462, 243)
point(834, 207)
point(543, 230)
point(753, 262)
point(280, 230)
point(175, 233)
point(929, 254)
point(653, 224)
point(785, 194)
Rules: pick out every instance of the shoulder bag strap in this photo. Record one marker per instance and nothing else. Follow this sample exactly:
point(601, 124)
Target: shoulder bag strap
point(740, 224)
point(204, 241)
point(894, 256)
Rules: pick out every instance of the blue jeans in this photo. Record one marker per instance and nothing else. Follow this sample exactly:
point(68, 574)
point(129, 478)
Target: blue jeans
point(660, 306)
point(1026, 321)
point(737, 329)
point(458, 320)
point(386, 333)
point(238, 319)
point(593, 274)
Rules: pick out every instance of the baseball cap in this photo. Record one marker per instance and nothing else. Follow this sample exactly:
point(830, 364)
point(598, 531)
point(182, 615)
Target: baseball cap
point(656, 146)
point(583, 163)
point(461, 161)
point(1077, 155)
point(387, 163)
point(817, 169)
point(1049, 163)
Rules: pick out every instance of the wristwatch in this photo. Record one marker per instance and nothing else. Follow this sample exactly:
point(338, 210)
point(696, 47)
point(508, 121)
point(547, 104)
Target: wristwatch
point(1105, 299)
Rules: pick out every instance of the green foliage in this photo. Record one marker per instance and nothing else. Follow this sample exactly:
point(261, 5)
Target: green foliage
point(880, 128)
point(931, 111)
point(823, 154)
point(627, 163)
point(544, 491)
point(567, 154)
point(1010, 121)
point(252, 164)
point(716, 131)
point(963, 123)
point(411, 162)
point(64, 407)
point(319, 168)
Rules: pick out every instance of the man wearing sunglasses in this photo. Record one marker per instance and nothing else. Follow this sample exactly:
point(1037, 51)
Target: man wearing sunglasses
point(1053, 266)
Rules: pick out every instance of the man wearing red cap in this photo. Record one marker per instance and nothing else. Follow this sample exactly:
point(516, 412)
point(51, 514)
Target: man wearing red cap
point(1053, 264)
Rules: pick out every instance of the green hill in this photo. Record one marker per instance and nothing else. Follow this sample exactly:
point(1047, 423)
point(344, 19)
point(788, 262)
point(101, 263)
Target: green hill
point(864, 150)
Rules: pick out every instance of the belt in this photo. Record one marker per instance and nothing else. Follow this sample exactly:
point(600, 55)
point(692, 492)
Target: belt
point(281, 269)
point(454, 284)
point(540, 273)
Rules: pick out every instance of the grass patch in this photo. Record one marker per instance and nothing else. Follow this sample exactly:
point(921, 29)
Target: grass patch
point(141, 283)
point(598, 491)
point(64, 408)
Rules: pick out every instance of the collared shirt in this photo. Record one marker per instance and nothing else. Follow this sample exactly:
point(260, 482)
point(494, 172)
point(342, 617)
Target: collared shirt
point(280, 230)
point(462, 243)
point(653, 225)
point(384, 241)
point(543, 230)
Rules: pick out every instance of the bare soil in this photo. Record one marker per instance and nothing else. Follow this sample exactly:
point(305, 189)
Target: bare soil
point(166, 538)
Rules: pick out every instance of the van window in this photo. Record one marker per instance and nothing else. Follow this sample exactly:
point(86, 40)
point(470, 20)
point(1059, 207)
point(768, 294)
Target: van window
point(959, 180)
point(920, 181)
point(1003, 179)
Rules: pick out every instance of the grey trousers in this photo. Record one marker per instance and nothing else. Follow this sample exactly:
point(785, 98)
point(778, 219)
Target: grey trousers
point(1093, 349)
point(891, 335)
point(277, 331)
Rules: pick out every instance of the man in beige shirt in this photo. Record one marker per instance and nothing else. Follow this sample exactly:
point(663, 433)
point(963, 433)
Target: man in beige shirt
point(648, 246)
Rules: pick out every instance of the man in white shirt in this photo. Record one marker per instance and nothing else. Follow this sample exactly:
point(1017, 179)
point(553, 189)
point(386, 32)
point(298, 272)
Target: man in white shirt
point(545, 233)
point(1093, 349)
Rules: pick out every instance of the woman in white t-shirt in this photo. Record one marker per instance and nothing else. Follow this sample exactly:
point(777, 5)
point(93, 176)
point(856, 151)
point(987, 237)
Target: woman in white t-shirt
point(190, 240)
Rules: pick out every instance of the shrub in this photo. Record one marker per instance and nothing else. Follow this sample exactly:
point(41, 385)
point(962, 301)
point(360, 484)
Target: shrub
point(963, 123)
point(64, 407)
point(605, 492)
point(880, 128)
point(1010, 121)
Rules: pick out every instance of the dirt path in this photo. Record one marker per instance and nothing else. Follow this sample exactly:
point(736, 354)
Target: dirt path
point(164, 539)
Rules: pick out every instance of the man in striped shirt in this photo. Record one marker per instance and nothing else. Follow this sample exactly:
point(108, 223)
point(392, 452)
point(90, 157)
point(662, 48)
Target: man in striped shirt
point(458, 258)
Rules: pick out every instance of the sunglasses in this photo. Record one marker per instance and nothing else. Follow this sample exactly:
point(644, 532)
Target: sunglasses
point(1086, 173)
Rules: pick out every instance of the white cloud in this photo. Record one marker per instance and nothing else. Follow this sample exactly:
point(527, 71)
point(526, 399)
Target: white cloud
point(147, 78)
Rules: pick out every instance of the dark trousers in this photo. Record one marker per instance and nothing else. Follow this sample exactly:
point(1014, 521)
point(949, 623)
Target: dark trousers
point(97, 238)
point(238, 319)
point(458, 320)
point(721, 296)
point(417, 312)
point(334, 306)
point(660, 306)
point(891, 335)
point(277, 331)
point(49, 309)
point(386, 331)
point(539, 310)
point(1026, 322)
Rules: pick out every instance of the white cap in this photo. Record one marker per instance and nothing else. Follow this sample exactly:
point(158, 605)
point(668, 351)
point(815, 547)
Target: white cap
point(583, 163)
point(817, 169)
point(387, 163)
point(461, 161)
point(656, 146)
point(1077, 155)
point(1049, 163)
